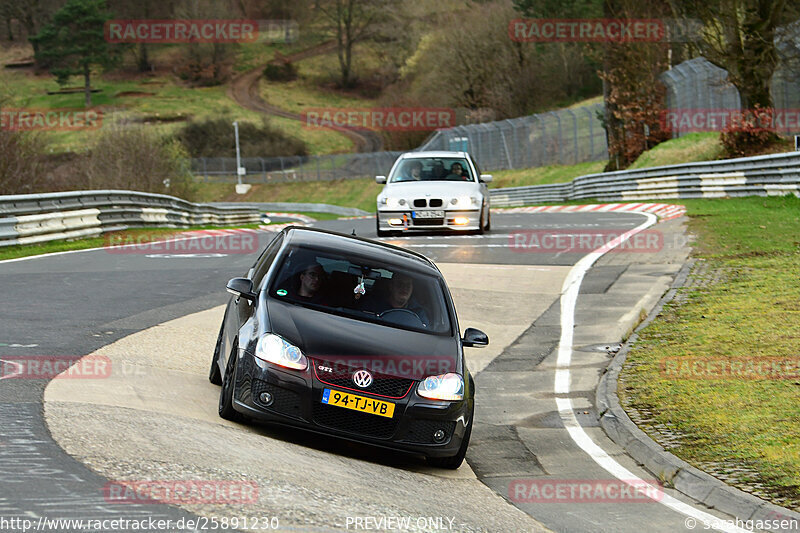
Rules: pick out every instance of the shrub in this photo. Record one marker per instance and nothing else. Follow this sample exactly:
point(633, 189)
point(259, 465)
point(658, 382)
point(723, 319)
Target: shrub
point(214, 137)
point(750, 133)
point(136, 158)
point(22, 165)
point(280, 71)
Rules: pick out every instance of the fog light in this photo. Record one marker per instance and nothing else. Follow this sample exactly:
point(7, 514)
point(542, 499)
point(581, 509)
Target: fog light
point(439, 435)
point(395, 221)
point(265, 398)
point(460, 221)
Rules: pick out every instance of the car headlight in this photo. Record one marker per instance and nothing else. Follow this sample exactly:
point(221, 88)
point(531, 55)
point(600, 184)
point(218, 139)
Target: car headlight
point(382, 200)
point(464, 200)
point(448, 386)
point(276, 350)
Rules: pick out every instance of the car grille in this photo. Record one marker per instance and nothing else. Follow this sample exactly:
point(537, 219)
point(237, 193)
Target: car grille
point(421, 431)
point(423, 202)
point(428, 221)
point(284, 401)
point(378, 427)
point(382, 385)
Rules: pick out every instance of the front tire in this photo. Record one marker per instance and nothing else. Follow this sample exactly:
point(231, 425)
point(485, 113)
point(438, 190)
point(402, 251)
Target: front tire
point(214, 375)
point(378, 229)
point(489, 220)
point(226, 409)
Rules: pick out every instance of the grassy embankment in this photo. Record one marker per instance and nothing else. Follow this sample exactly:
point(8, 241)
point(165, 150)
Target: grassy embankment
point(731, 417)
point(162, 100)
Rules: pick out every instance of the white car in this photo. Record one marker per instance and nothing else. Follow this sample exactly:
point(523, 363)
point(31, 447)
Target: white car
point(432, 191)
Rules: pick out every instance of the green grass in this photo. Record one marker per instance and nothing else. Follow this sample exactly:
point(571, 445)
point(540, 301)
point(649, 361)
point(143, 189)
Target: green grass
point(140, 234)
point(543, 175)
point(692, 147)
point(752, 313)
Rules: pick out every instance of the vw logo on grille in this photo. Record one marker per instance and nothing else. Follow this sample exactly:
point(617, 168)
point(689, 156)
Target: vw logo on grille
point(362, 378)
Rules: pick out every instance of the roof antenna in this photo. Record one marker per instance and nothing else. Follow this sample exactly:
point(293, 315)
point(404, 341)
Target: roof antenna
point(354, 233)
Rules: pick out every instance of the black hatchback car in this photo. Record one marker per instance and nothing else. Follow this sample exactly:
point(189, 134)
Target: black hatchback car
point(349, 337)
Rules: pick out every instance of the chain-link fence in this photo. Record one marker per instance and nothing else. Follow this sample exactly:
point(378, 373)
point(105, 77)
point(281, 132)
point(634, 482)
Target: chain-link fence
point(699, 96)
point(561, 137)
point(296, 168)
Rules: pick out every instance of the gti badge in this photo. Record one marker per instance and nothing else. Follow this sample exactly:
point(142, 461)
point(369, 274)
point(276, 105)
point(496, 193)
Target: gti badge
point(325, 368)
point(362, 378)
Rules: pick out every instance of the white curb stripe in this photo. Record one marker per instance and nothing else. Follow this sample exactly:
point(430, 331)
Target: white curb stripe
point(569, 299)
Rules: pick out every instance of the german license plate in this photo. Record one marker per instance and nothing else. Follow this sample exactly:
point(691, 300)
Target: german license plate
point(357, 403)
point(427, 214)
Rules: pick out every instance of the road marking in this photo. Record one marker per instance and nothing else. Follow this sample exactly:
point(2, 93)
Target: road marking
point(15, 345)
point(569, 299)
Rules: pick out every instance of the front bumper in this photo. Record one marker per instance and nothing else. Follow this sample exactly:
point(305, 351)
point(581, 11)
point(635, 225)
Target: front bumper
point(414, 220)
point(296, 402)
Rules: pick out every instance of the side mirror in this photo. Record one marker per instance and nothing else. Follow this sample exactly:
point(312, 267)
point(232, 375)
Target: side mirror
point(243, 288)
point(486, 178)
point(475, 337)
point(380, 179)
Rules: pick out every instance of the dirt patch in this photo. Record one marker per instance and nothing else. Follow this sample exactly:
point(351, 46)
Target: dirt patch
point(135, 93)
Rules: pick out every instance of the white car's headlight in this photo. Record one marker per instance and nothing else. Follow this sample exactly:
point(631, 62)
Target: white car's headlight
point(276, 350)
point(464, 201)
point(448, 386)
point(382, 200)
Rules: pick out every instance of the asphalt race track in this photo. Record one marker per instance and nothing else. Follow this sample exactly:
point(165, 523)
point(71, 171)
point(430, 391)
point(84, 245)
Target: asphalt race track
point(154, 416)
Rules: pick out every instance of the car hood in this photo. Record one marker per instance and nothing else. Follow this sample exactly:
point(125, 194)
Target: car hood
point(353, 343)
point(436, 189)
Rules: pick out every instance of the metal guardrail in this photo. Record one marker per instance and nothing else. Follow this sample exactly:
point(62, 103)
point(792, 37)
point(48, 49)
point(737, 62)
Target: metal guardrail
point(749, 176)
point(32, 218)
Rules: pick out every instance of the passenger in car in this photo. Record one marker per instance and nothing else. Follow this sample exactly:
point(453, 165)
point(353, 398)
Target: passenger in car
point(439, 171)
point(456, 172)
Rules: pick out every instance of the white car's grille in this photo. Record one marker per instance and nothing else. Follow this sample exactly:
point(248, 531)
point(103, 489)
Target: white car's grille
point(423, 202)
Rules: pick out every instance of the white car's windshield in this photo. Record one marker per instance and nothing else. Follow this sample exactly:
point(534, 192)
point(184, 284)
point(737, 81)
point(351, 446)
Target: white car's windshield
point(432, 169)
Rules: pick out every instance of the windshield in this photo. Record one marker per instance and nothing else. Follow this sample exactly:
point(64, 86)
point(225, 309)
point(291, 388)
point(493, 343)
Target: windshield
point(361, 289)
point(432, 169)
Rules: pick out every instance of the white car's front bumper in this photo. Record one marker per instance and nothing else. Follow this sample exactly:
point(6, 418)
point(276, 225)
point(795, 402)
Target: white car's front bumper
point(415, 220)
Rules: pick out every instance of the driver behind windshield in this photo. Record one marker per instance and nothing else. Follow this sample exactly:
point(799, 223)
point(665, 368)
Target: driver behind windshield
point(401, 291)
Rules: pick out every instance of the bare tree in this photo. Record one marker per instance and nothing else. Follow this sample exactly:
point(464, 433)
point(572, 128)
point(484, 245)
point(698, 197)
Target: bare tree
point(740, 36)
point(350, 22)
